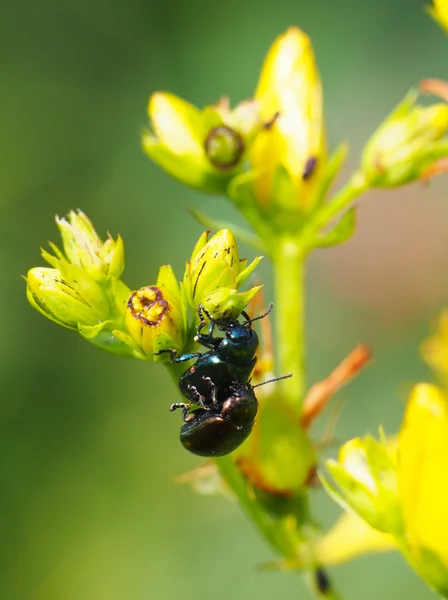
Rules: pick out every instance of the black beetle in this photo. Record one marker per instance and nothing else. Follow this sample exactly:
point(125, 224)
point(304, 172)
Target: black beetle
point(216, 429)
point(230, 359)
point(217, 385)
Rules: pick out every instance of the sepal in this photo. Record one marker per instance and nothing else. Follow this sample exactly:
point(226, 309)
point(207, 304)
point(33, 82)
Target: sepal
point(364, 480)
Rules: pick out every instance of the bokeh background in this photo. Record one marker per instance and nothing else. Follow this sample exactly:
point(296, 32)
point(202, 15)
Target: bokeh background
point(88, 449)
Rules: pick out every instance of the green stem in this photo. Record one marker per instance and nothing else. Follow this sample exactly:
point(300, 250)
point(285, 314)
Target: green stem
point(280, 541)
point(289, 273)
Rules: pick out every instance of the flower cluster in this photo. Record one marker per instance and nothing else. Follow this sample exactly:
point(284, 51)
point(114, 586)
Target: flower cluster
point(83, 291)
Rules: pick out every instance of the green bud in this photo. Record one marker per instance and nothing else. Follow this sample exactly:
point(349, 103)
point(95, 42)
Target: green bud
point(409, 142)
point(214, 275)
point(224, 147)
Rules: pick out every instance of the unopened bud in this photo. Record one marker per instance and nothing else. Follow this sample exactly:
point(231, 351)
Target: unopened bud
point(214, 275)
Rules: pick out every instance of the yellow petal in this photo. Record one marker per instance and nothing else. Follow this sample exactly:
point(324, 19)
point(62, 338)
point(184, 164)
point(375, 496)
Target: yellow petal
point(441, 12)
point(177, 124)
point(422, 471)
point(290, 86)
point(351, 537)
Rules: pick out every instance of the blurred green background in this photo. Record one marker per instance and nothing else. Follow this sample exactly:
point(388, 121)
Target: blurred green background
point(88, 449)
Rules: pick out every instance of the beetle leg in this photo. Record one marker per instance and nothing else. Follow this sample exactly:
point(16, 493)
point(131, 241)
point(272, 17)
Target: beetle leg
point(177, 405)
point(213, 388)
point(206, 339)
point(202, 321)
point(185, 357)
point(185, 409)
point(199, 398)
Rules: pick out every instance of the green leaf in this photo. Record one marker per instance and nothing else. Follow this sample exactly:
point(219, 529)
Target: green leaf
point(330, 172)
point(341, 232)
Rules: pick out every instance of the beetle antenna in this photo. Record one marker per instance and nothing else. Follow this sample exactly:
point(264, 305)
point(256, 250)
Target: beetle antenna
point(271, 380)
point(250, 321)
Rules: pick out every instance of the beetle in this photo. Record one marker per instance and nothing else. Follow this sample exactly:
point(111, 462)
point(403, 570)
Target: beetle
point(216, 429)
point(230, 359)
point(222, 405)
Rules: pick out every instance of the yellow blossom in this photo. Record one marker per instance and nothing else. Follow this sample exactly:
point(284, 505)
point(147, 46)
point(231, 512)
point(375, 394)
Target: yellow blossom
point(411, 485)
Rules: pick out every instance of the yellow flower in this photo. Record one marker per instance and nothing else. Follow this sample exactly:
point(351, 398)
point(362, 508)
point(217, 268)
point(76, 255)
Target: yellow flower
point(411, 485)
point(423, 484)
point(215, 273)
point(292, 149)
point(202, 148)
point(439, 11)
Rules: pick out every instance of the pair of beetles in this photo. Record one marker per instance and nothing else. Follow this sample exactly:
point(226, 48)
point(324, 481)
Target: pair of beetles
point(222, 405)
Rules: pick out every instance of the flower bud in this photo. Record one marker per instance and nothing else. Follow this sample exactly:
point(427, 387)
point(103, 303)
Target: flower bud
point(366, 483)
point(65, 302)
point(215, 273)
point(84, 248)
point(292, 148)
point(203, 149)
point(409, 141)
point(82, 290)
point(155, 317)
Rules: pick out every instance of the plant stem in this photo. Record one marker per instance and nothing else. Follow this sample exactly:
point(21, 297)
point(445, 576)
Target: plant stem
point(269, 529)
point(289, 273)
